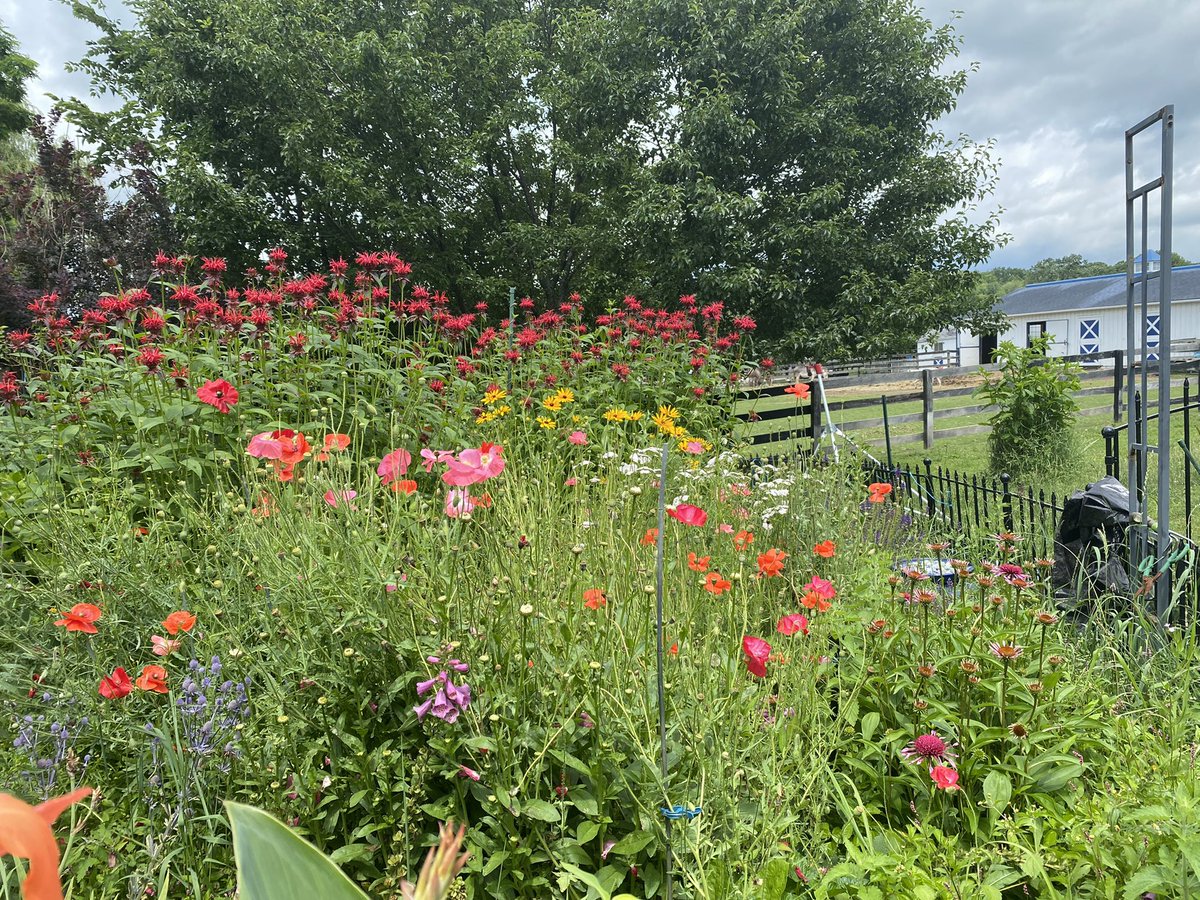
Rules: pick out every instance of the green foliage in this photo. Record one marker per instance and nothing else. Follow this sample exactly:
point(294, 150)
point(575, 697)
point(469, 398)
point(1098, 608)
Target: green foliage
point(1032, 427)
point(781, 157)
point(15, 70)
point(274, 863)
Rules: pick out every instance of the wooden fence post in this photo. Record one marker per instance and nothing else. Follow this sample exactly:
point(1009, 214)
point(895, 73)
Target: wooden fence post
point(815, 403)
point(927, 405)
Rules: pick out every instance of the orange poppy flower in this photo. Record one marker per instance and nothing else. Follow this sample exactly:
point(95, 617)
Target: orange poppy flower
point(878, 491)
point(82, 617)
point(333, 442)
point(698, 563)
point(25, 833)
point(404, 486)
point(771, 562)
point(650, 537)
point(825, 549)
point(674, 649)
point(742, 540)
point(813, 600)
point(153, 678)
point(180, 620)
point(594, 598)
point(799, 390)
point(715, 584)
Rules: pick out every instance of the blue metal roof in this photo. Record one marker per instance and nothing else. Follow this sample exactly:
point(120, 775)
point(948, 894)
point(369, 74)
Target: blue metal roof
point(1096, 292)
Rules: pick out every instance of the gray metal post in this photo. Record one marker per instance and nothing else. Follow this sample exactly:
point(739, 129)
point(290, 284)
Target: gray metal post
point(1138, 350)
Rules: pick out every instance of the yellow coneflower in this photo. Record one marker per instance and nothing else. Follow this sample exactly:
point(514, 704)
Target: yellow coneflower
point(546, 423)
point(493, 396)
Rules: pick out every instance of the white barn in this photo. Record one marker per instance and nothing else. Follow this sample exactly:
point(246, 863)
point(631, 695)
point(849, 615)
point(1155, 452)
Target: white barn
point(1083, 315)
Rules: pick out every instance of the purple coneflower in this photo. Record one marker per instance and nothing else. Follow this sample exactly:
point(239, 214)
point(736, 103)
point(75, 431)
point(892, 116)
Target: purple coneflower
point(932, 749)
point(1006, 651)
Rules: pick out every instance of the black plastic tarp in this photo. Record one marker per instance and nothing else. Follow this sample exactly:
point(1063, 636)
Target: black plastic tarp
point(1089, 549)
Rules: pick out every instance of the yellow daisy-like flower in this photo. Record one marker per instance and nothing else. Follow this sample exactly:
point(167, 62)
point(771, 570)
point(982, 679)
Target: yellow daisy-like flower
point(667, 425)
point(484, 418)
point(668, 412)
point(617, 415)
point(637, 416)
point(546, 423)
point(553, 403)
point(494, 395)
point(565, 395)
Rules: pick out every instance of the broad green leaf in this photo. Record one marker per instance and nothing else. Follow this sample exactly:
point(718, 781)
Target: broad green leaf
point(541, 810)
point(774, 879)
point(586, 831)
point(869, 723)
point(274, 863)
point(997, 791)
point(633, 843)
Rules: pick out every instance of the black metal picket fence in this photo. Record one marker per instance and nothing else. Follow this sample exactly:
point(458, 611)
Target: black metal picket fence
point(975, 505)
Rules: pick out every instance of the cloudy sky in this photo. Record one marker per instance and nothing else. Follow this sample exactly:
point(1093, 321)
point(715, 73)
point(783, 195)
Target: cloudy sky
point(1058, 83)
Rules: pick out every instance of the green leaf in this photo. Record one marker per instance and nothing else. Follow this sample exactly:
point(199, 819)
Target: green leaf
point(774, 879)
point(633, 843)
point(869, 723)
point(586, 831)
point(541, 810)
point(997, 791)
point(274, 863)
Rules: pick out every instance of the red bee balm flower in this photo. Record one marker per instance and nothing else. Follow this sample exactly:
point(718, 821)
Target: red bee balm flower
point(82, 617)
point(219, 394)
point(180, 620)
point(116, 685)
point(688, 514)
point(757, 652)
point(153, 678)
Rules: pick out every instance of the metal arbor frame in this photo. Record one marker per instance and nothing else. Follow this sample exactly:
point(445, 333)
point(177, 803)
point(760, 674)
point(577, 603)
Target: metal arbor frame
point(1138, 348)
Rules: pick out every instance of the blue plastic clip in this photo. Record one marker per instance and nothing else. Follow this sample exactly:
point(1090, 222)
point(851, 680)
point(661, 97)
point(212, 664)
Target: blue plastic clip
point(675, 813)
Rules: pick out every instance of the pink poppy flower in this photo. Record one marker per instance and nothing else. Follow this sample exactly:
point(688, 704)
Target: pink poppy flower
point(688, 514)
point(459, 503)
point(819, 586)
point(163, 646)
point(578, 438)
point(473, 466)
point(394, 465)
point(431, 458)
point(757, 652)
point(725, 528)
point(337, 498)
point(792, 623)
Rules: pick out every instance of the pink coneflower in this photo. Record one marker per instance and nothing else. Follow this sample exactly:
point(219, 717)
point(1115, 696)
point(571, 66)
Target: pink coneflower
point(1006, 651)
point(932, 749)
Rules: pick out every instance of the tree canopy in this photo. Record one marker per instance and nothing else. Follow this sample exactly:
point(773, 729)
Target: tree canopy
point(15, 70)
point(780, 156)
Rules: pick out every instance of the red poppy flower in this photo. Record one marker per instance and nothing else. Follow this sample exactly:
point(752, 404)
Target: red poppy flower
point(404, 486)
point(153, 678)
point(878, 491)
point(791, 624)
point(674, 649)
point(688, 514)
point(742, 540)
point(219, 394)
point(650, 537)
point(757, 652)
point(594, 598)
point(333, 443)
point(82, 617)
point(771, 562)
point(945, 778)
point(813, 600)
point(715, 584)
point(116, 685)
point(180, 620)
point(799, 390)
point(825, 549)
point(698, 563)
